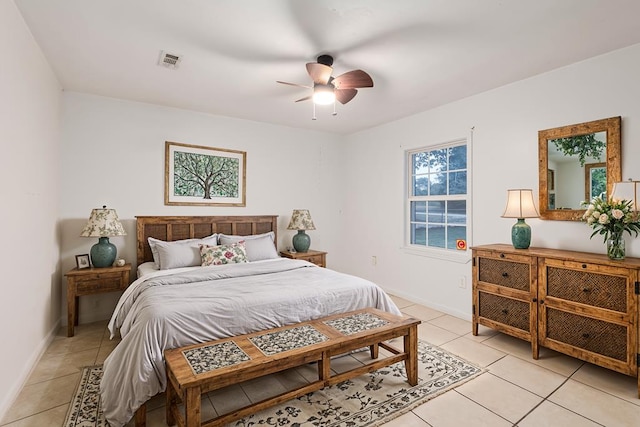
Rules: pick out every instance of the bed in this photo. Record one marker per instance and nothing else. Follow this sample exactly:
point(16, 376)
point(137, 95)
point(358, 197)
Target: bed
point(176, 302)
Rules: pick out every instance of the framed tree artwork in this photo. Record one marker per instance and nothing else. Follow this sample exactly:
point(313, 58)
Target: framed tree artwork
point(207, 176)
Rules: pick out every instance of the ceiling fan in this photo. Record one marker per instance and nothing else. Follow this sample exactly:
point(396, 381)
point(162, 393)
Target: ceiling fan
point(328, 89)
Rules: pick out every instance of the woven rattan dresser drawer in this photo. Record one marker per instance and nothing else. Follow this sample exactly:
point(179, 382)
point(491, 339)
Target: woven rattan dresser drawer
point(596, 336)
point(586, 284)
point(501, 272)
point(504, 310)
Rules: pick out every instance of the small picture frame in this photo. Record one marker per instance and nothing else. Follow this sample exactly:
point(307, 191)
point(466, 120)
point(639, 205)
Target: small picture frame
point(82, 261)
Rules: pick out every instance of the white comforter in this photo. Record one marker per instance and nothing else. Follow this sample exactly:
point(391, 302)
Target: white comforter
point(190, 305)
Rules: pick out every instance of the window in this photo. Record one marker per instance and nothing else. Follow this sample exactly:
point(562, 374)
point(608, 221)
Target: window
point(437, 200)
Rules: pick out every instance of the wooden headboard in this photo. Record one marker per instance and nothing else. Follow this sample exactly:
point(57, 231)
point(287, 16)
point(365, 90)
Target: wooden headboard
point(170, 228)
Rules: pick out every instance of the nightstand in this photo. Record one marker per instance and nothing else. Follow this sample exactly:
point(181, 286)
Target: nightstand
point(90, 281)
point(319, 258)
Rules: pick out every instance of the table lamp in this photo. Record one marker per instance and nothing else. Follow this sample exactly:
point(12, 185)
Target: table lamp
point(103, 223)
point(301, 221)
point(520, 205)
point(627, 190)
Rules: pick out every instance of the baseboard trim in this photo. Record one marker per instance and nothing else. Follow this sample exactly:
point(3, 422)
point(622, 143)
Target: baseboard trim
point(430, 304)
point(28, 368)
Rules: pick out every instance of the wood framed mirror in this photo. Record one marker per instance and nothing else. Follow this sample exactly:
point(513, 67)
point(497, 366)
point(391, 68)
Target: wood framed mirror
point(575, 161)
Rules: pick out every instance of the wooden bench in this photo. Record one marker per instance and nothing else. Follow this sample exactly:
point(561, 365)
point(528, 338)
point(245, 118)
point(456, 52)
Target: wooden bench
point(197, 369)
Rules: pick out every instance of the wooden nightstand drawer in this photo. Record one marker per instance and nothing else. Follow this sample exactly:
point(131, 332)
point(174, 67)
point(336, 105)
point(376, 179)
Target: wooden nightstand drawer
point(315, 259)
point(104, 282)
point(318, 258)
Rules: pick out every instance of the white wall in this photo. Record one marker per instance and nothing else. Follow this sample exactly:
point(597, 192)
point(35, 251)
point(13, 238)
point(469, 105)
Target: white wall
point(506, 122)
point(113, 154)
point(29, 120)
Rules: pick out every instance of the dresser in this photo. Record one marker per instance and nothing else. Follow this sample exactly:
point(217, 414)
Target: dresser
point(576, 303)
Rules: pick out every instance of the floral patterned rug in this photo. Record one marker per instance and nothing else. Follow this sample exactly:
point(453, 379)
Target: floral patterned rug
point(369, 400)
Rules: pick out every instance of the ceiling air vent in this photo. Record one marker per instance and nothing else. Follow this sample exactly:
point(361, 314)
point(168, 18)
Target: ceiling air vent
point(169, 60)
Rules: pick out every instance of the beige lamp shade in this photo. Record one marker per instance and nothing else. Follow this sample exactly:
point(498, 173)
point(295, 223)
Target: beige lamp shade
point(103, 223)
point(520, 204)
point(301, 220)
point(627, 190)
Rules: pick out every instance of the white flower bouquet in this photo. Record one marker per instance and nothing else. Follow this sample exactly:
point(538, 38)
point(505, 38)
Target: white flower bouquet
point(611, 218)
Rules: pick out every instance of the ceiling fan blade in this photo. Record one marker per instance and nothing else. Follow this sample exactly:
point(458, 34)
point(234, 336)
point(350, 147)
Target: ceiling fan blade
point(294, 84)
point(353, 79)
point(319, 73)
point(304, 99)
point(345, 95)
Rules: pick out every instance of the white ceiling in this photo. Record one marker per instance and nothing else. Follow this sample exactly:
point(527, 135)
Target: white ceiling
point(420, 53)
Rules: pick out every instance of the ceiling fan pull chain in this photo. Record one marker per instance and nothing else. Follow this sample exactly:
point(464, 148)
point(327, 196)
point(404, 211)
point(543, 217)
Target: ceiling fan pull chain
point(314, 111)
point(335, 113)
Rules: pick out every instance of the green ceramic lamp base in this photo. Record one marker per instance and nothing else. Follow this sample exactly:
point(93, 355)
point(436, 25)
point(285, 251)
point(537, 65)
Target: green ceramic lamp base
point(301, 241)
point(521, 234)
point(103, 253)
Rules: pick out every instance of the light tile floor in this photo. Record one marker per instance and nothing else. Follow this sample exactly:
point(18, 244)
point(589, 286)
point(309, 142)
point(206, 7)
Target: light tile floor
point(555, 390)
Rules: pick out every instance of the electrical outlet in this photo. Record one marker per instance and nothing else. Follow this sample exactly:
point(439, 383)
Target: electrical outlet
point(463, 282)
point(374, 260)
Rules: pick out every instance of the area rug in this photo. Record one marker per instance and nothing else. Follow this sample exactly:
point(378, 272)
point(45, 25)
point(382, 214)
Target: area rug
point(368, 400)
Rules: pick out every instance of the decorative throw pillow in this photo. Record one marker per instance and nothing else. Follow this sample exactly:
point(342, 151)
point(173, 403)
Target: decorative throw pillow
point(224, 254)
point(259, 246)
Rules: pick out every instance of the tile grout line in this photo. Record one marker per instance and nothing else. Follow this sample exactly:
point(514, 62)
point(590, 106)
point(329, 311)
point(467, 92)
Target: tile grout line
point(546, 399)
point(34, 414)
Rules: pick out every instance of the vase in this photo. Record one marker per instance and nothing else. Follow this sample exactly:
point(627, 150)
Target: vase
point(615, 247)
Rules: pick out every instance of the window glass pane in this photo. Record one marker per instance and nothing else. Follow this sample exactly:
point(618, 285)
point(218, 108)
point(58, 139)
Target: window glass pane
point(458, 182)
point(420, 185)
point(438, 160)
point(458, 157)
point(438, 184)
point(420, 163)
point(419, 211)
point(436, 235)
point(457, 212)
point(455, 232)
point(436, 212)
point(418, 234)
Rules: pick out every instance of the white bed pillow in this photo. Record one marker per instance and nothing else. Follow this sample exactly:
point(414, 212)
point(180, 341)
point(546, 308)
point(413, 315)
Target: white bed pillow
point(147, 268)
point(258, 246)
point(179, 253)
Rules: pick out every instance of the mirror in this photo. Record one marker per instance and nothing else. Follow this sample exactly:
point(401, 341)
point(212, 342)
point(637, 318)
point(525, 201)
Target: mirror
point(577, 163)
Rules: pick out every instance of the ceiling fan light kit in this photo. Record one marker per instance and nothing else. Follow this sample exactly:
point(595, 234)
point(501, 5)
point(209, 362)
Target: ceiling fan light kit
point(324, 94)
point(327, 89)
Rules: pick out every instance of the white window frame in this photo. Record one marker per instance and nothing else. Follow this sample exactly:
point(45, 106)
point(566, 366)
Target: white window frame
point(462, 256)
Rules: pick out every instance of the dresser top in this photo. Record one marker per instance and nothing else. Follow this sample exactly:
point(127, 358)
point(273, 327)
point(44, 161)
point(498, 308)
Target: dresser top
point(576, 256)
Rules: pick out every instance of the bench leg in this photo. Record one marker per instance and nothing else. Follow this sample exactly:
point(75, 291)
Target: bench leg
point(324, 367)
point(411, 349)
point(192, 407)
point(141, 416)
point(374, 350)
